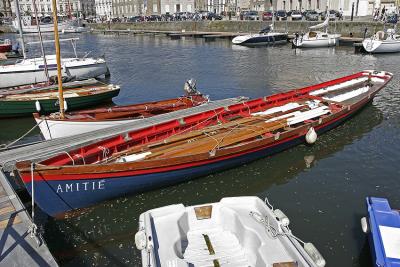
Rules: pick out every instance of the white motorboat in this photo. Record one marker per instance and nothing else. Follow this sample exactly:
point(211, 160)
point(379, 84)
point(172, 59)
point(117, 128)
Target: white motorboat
point(237, 231)
point(33, 70)
point(46, 25)
point(383, 43)
point(29, 71)
point(264, 37)
point(313, 39)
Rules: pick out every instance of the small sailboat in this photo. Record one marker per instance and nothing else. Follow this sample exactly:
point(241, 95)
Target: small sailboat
point(314, 39)
point(264, 37)
point(236, 231)
point(382, 225)
point(195, 145)
point(382, 42)
point(53, 126)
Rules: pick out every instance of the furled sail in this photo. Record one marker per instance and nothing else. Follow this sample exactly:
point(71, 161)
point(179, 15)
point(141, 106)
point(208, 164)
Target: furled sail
point(321, 25)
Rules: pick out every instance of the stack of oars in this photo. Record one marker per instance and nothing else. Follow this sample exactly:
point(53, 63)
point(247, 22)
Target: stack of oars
point(237, 131)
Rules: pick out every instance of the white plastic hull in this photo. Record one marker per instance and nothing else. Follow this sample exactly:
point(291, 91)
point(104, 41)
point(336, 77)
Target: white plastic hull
point(43, 27)
point(314, 43)
point(15, 75)
point(385, 46)
point(52, 129)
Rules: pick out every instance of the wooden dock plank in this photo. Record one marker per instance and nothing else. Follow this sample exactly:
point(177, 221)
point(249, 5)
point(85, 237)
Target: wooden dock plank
point(17, 248)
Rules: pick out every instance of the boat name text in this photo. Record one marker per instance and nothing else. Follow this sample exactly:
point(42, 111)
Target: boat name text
point(81, 186)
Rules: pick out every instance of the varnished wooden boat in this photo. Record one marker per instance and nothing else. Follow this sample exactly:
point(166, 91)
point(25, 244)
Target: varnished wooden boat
point(197, 145)
point(53, 126)
point(25, 100)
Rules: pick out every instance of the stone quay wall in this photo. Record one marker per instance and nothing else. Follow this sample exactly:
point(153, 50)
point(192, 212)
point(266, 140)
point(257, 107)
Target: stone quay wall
point(346, 28)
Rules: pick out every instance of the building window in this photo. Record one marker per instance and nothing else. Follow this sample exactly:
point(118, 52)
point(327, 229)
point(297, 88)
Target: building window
point(155, 8)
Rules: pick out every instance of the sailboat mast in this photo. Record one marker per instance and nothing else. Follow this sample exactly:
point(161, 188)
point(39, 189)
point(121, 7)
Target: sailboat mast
point(46, 70)
point(21, 35)
point(58, 58)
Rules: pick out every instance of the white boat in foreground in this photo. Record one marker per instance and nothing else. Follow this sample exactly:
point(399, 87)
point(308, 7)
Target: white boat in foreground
point(314, 39)
point(237, 231)
point(379, 43)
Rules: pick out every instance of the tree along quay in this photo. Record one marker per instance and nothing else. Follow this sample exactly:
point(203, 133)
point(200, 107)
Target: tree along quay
point(345, 28)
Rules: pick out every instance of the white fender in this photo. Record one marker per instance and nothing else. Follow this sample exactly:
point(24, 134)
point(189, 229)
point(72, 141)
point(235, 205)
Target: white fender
point(37, 105)
point(364, 225)
point(65, 105)
point(140, 240)
point(311, 136)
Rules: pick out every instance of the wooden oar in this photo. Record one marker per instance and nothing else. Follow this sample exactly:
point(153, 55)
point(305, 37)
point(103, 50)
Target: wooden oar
point(221, 139)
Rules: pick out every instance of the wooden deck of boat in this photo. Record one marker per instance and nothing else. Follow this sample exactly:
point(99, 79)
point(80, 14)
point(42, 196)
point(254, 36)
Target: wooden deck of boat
point(39, 151)
point(17, 248)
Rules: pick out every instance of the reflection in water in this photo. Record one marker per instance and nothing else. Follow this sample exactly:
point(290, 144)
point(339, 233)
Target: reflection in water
point(321, 187)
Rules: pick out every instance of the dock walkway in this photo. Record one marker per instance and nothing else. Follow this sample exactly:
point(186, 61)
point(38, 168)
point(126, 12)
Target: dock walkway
point(39, 151)
point(17, 247)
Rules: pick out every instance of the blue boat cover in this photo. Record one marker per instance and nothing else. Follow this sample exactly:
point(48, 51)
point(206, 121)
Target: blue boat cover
point(385, 232)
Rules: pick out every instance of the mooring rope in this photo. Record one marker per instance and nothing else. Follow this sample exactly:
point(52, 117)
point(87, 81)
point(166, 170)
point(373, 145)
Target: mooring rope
point(6, 146)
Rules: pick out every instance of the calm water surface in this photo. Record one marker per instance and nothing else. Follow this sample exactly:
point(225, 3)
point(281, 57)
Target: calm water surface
point(322, 188)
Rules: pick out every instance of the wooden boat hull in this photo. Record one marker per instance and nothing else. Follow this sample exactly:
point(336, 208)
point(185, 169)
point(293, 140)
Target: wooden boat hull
point(79, 122)
point(76, 191)
point(61, 187)
point(26, 108)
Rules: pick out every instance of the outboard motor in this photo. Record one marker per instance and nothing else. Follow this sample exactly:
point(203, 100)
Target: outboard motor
point(296, 37)
point(190, 87)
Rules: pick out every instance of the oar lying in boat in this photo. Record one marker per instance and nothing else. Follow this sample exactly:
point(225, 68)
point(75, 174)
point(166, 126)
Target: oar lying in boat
point(171, 143)
point(35, 88)
point(221, 140)
point(232, 136)
point(195, 135)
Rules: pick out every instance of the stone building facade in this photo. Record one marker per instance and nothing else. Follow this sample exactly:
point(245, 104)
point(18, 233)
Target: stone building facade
point(128, 8)
point(77, 8)
point(103, 8)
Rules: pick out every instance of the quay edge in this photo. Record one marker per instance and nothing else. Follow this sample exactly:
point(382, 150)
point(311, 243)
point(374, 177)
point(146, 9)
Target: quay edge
point(345, 28)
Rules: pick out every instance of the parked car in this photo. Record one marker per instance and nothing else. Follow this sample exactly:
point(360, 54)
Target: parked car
point(250, 15)
point(312, 15)
point(296, 15)
point(333, 15)
point(167, 17)
point(267, 15)
point(281, 15)
point(136, 19)
point(213, 16)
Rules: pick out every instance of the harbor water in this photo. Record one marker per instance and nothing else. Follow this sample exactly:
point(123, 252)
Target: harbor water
point(321, 188)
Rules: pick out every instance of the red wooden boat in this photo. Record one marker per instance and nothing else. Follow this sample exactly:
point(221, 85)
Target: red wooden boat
point(5, 46)
point(197, 145)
